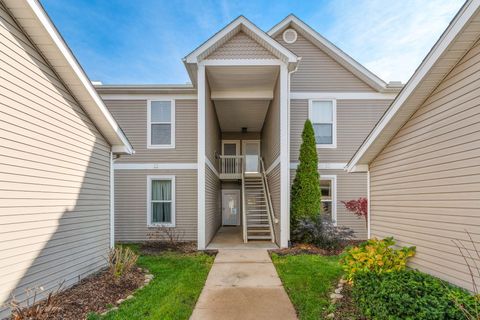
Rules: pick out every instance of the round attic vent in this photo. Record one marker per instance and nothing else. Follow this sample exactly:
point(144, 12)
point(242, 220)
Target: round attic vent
point(290, 36)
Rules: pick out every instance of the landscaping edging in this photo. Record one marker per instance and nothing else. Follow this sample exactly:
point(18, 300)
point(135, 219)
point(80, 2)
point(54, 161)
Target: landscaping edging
point(148, 277)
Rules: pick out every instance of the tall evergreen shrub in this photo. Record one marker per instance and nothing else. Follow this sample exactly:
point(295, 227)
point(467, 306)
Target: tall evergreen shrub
point(305, 194)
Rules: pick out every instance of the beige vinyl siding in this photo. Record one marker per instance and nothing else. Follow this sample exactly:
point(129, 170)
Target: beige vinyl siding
point(131, 204)
point(54, 176)
point(355, 120)
point(425, 184)
point(212, 130)
point(131, 115)
point(349, 187)
point(273, 179)
point(241, 46)
point(270, 145)
point(319, 72)
point(213, 213)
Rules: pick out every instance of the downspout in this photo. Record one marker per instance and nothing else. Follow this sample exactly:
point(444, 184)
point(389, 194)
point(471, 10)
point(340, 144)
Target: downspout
point(368, 204)
point(288, 146)
point(112, 198)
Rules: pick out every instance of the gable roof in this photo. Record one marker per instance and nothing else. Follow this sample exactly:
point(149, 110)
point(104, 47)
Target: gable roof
point(240, 24)
point(37, 26)
point(333, 51)
point(459, 37)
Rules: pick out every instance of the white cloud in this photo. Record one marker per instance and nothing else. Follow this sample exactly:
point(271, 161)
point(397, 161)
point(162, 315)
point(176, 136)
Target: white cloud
point(390, 37)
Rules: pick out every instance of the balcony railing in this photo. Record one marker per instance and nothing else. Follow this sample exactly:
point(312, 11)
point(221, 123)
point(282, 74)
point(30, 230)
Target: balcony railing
point(231, 167)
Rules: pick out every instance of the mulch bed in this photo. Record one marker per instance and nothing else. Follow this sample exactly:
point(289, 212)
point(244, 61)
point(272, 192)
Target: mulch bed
point(159, 247)
point(346, 308)
point(306, 248)
point(95, 293)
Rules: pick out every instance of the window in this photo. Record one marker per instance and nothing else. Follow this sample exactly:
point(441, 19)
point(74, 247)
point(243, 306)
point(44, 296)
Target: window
point(161, 201)
point(328, 190)
point(161, 124)
point(322, 113)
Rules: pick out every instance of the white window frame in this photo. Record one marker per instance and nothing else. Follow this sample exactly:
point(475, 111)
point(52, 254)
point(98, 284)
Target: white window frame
point(334, 121)
point(149, 201)
point(333, 179)
point(236, 142)
point(172, 125)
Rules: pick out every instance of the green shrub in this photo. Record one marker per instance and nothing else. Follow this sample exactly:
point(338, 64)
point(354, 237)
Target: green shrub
point(305, 194)
point(376, 256)
point(409, 295)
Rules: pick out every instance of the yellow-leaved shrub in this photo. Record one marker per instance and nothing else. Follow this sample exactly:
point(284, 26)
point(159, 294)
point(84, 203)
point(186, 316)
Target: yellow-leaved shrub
point(375, 255)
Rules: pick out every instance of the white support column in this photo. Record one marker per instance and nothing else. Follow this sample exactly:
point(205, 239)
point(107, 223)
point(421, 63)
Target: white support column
point(368, 204)
point(284, 159)
point(112, 202)
point(201, 157)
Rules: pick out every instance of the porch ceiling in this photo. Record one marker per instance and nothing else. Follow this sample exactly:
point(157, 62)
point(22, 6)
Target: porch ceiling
point(242, 95)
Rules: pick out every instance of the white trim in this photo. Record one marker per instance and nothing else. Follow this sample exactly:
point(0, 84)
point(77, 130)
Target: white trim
point(433, 57)
point(324, 165)
point(236, 142)
point(332, 178)
point(333, 145)
point(211, 166)
point(242, 95)
point(172, 126)
point(241, 62)
point(369, 234)
point(273, 165)
point(150, 224)
point(284, 159)
point(333, 51)
point(343, 95)
point(237, 23)
point(201, 237)
point(141, 96)
point(76, 80)
point(112, 201)
point(158, 166)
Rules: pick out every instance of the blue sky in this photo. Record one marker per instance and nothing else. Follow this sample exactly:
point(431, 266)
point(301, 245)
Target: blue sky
point(144, 41)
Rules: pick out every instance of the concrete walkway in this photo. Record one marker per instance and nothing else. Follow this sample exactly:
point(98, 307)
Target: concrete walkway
point(243, 284)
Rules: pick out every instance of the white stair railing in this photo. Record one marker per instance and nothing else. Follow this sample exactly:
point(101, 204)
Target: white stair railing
point(244, 212)
point(271, 213)
point(231, 165)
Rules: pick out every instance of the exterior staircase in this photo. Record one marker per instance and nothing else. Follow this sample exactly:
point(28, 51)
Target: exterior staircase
point(257, 215)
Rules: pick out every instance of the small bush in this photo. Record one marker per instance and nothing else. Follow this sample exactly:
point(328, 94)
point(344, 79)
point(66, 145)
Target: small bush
point(121, 260)
point(376, 256)
point(321, 232)
point(33, 308)
point(409, 294)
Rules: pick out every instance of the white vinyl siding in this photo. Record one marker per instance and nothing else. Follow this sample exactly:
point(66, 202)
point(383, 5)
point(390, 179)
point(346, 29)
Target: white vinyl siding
point(161, 124)
point(161, 201)
point(323, 115)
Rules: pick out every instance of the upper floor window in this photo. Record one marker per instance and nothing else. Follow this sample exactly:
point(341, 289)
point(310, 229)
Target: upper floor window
point(161, 124)
point(323, 115)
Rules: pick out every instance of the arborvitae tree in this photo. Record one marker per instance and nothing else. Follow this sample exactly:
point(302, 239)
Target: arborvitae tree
point(305, 194)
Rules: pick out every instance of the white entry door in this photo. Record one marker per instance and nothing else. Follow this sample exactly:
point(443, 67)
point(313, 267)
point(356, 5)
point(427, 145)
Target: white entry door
point(231, 207)
point(251, 151)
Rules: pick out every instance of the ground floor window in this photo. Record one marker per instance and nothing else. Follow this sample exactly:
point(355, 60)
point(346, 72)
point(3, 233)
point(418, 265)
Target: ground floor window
point(161, 201)
point(328, 192)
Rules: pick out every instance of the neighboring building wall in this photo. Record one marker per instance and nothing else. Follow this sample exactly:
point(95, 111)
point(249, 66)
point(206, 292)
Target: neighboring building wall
point(425, 183)
point(273, 178)
point(355, 120)
point(213, 213)
point(270, 144)
point(131, 115)
point(131, 205)
point(241, 46)
point(319, 72)
point(54, 176)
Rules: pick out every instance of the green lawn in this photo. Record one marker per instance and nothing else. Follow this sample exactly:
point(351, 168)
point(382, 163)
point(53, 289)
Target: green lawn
point(309, 280)
point(172, 294)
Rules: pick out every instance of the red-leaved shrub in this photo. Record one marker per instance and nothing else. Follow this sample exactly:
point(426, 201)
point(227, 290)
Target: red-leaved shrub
point(358, 207)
